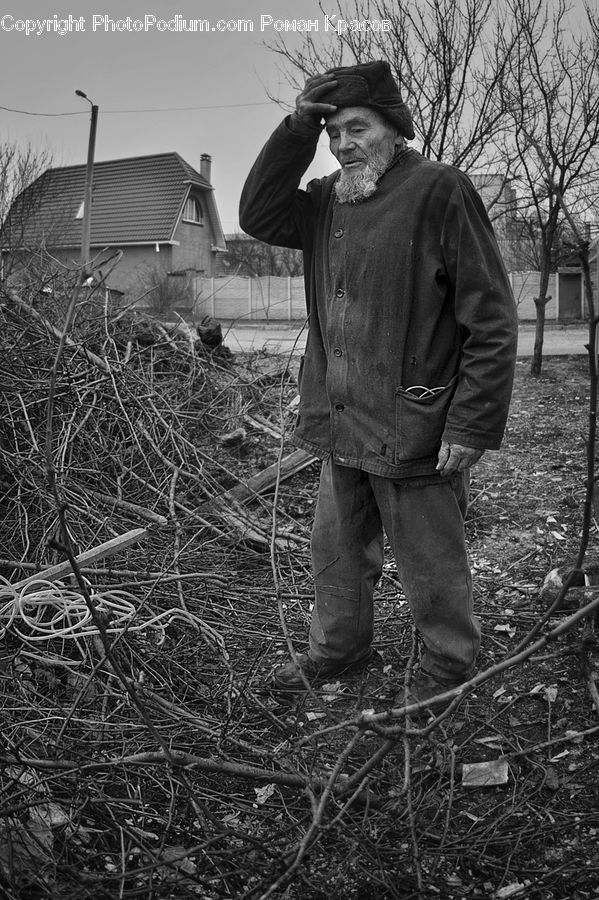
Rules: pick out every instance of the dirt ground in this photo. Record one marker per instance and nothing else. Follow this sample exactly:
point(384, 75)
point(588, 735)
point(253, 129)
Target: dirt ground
point(161, 764)
point(535, 835)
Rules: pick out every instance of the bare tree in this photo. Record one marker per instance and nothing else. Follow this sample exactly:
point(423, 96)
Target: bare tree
point(552, 91)
point(450, 59)
point(20, 167)
point(247, 256)
point(527, 245)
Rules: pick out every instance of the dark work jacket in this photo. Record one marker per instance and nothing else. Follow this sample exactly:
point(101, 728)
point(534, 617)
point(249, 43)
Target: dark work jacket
point(412, 322)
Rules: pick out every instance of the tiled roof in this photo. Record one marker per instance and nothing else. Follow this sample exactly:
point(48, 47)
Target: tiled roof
point(134, 200)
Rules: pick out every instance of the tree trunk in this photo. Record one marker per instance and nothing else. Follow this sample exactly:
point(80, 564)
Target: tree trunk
point(537, 353)
point(540, 303)
point(591, 481)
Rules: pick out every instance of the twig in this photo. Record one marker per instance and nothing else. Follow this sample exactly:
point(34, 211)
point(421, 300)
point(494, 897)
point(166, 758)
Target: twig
point(316, 823)
point(63, 339)
point(177, 548)
point(408, 772)
point(131, 508)
point(184, 760)
point(137, 576)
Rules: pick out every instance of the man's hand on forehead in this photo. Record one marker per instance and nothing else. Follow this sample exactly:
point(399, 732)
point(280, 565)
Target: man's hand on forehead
point(309, 105)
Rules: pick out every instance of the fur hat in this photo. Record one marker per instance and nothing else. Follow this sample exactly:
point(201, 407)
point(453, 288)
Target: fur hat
point(371, 84)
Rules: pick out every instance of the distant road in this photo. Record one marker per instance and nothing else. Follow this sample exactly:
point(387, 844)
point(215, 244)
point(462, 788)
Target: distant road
point(564, 340)
point(567, 340)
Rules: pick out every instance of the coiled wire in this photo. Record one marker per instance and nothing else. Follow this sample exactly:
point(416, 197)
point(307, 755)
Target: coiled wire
point(45, 611)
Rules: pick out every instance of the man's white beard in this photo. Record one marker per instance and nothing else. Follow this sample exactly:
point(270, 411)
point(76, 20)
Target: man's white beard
point(352, 187)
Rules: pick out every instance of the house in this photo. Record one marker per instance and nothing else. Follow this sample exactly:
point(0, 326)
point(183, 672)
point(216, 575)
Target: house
point(498, 195)
point(158, 211)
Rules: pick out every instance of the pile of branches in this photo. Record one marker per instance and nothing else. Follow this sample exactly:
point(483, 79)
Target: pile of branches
point(119, 433)
point(143, 754)
point(138, 420)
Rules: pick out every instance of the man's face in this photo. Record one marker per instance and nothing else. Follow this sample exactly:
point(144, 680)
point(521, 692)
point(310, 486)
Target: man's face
point(364, 143)
point(356, 133)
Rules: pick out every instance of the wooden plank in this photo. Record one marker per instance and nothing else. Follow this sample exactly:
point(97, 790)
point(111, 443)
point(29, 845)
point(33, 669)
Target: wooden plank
point(245, 526)
point(266, 479)
point(263, 426)
point(228, 506)
point(108, 548)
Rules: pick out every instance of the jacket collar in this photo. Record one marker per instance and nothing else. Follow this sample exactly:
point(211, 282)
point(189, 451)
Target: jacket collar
point(398, 157)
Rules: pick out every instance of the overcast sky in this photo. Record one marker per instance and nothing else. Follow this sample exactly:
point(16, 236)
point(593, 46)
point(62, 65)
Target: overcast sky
point(228, 74)
point(149, 73)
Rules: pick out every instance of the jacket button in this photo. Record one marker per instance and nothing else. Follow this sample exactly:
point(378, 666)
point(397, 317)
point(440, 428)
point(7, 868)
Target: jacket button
point(340, 293)
point(339, 407)
point(338, 352)
point(339, 233)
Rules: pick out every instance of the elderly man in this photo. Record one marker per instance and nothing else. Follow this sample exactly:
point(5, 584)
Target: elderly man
point(407, 373)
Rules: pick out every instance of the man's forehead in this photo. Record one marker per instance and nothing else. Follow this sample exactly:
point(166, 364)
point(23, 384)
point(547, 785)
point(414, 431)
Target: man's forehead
point(353, 114)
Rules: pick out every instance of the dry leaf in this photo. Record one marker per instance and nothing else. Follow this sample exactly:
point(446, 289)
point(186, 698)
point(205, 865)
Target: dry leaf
point(178, 857)
point(49, 814)
point(485, 774)
point(511, 890)
point(264, 793)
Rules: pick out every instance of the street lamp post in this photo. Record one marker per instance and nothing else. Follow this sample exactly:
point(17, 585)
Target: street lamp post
point(87, 202)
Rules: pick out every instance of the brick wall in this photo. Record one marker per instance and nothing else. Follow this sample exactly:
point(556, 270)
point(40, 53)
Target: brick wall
point(193, 250)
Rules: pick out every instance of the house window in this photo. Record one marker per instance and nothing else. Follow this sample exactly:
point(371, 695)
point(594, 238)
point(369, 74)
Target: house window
point(80, 211)
point(193, 211)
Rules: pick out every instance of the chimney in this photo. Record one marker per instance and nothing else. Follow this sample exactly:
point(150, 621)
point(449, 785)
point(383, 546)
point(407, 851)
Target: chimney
point(205, 166)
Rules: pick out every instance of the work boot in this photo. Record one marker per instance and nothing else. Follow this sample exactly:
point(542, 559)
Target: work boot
point(425, 687)
point(289, 677)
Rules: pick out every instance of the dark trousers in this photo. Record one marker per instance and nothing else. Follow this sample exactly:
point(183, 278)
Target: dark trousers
point(425, 528)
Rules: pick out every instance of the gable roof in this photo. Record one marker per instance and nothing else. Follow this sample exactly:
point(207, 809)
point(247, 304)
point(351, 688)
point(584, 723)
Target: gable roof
point(134, 200)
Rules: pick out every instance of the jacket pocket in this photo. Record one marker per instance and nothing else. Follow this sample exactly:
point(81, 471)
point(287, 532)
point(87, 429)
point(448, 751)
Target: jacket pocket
point(420, 415)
